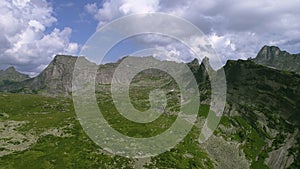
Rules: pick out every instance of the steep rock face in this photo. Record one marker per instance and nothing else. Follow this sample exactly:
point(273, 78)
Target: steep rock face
point(55, 79)
point(202, 77)
point(199, 70)
point(280, 158)
point(11, 75)
point(272, 56)
point(105, 73)
point(262, 87)
point(268, 100)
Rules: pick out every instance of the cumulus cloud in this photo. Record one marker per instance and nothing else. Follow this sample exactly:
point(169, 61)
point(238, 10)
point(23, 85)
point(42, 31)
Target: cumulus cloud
point(237, 29)
point(24, 39)
point(111, 10)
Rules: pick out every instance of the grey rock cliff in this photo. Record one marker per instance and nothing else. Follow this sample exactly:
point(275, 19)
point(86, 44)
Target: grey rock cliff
point(272, 56)
point(55, 79)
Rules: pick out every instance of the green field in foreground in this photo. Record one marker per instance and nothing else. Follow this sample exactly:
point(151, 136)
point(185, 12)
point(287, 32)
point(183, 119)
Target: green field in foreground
point(51, 137)
point(43, 132)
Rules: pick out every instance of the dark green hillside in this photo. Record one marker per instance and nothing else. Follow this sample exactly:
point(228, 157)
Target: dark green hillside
point(269, 90)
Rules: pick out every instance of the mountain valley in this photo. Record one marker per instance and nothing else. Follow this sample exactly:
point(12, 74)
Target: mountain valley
point(259, 128)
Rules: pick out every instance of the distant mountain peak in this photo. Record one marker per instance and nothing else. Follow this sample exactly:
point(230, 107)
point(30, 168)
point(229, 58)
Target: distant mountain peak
point(273, 56)
point(270, 52)
point(11, 75)
point(63, 58)
point(11, 69)
point(205, 60)
point(194, 62)
point(266, 47)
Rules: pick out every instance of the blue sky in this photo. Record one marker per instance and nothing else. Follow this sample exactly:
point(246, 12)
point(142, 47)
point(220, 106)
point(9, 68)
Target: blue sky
point(32, 32)
point(72, 14)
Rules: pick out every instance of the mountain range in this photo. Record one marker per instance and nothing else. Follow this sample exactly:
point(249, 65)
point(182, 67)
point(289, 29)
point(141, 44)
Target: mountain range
point(261, 113)
point(56, 78)
point(271, 78)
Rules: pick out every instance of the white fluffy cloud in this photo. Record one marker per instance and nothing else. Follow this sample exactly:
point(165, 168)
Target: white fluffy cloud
point(111, 10)
point(24, 39)
point(237, 29)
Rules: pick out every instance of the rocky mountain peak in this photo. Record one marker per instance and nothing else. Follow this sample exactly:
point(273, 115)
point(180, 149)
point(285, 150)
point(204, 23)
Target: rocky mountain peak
point(11, 75)
point(11, 69)
point(270, 52)
point(206, 64)
point(194, 62)
point(205, 60)
point(63, 59)
point(57, 77)
point(272, 56)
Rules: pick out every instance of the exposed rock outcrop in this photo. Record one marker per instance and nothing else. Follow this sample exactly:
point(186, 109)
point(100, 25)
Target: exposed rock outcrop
point(56, 78)
point(272, 56)
point(281, 159)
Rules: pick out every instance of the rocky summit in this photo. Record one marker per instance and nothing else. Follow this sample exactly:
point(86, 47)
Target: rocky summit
point(55, 79)
point(272, 56)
